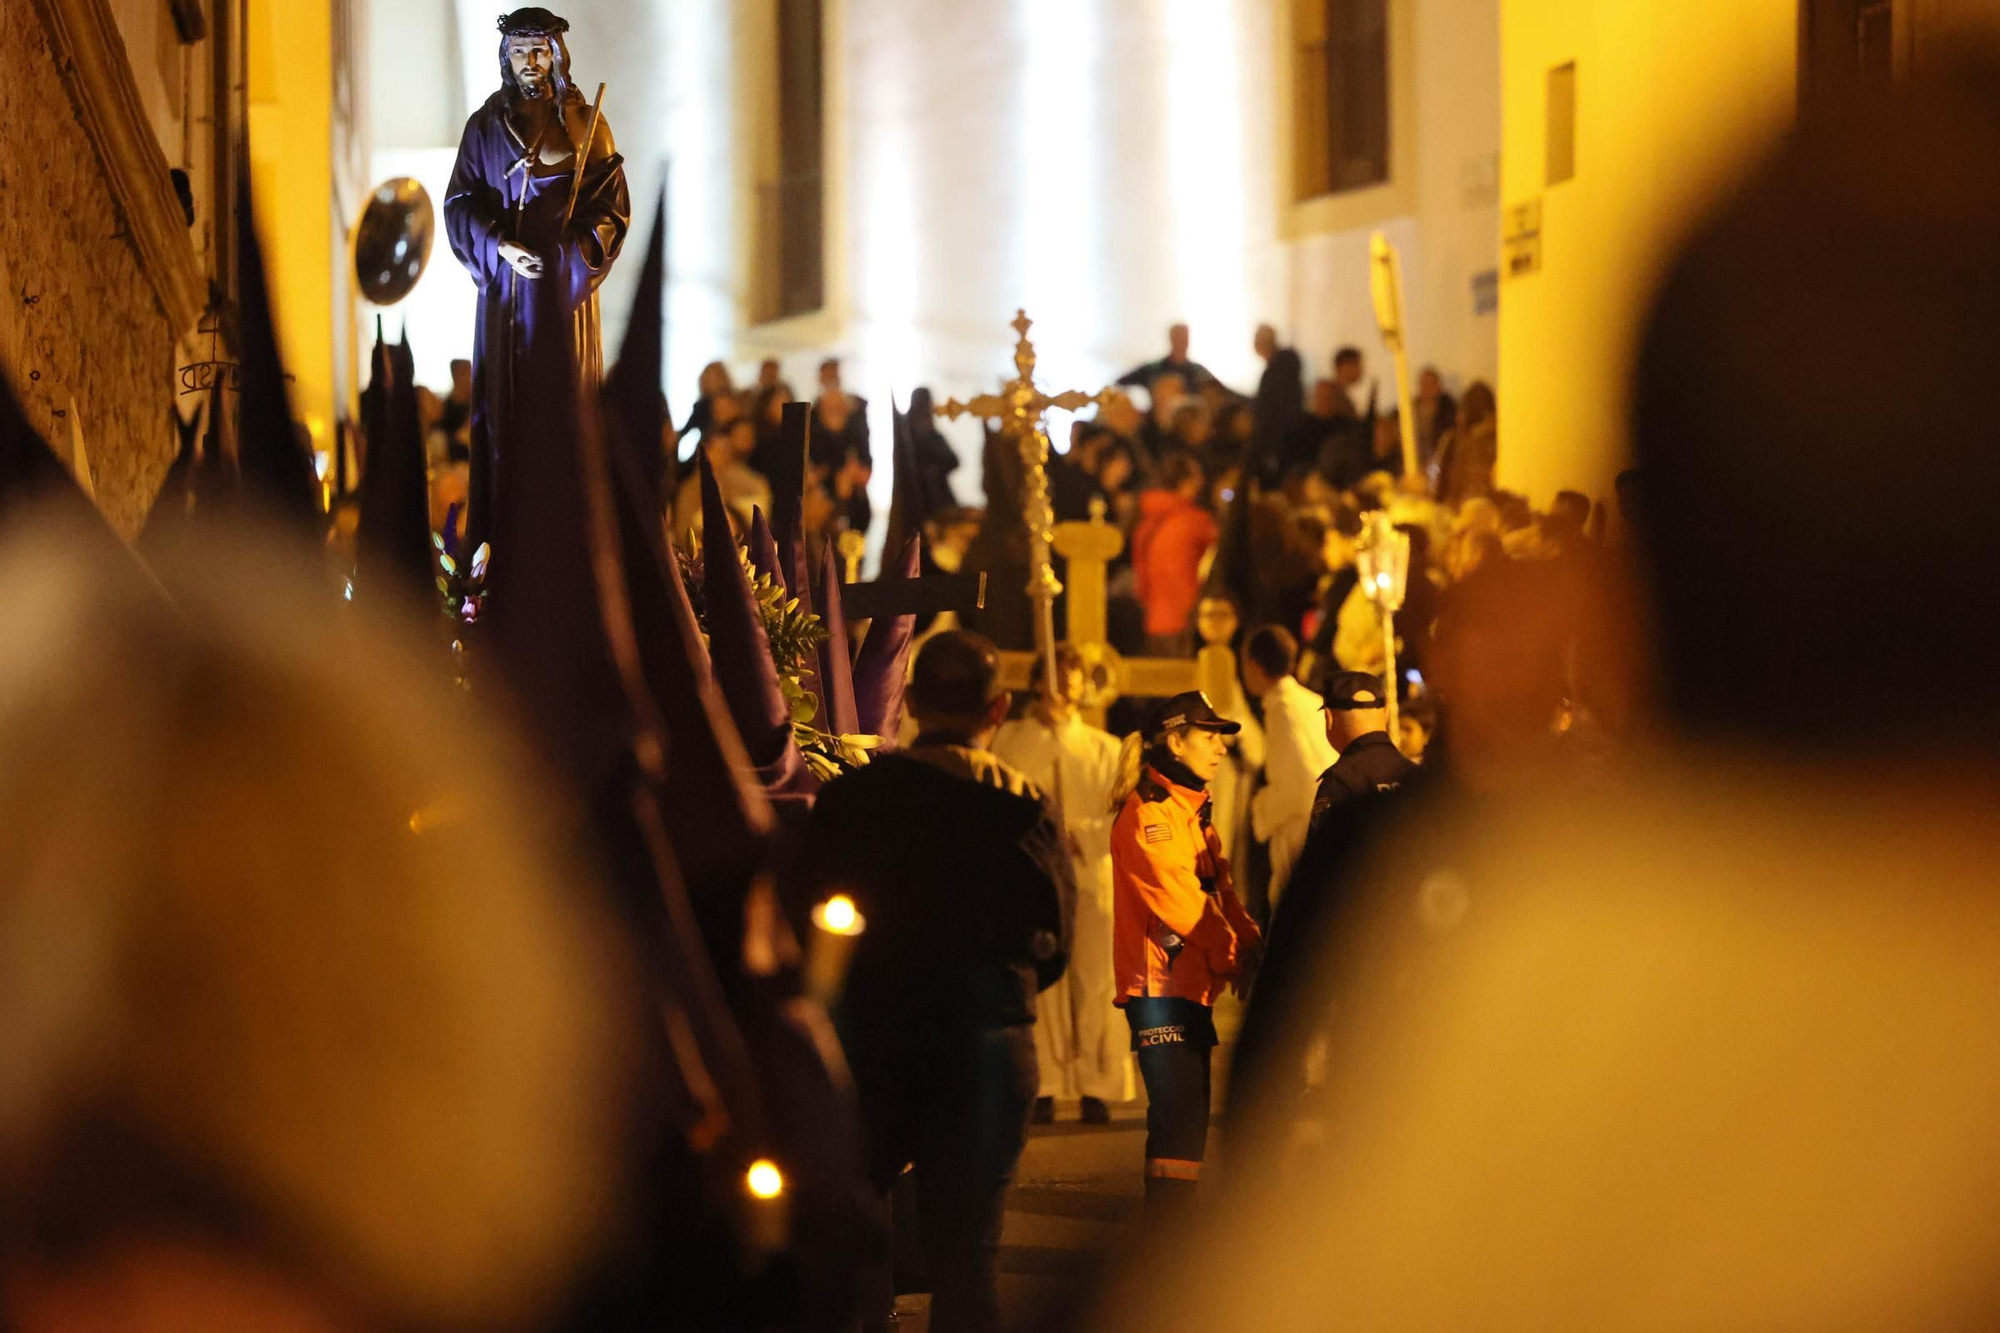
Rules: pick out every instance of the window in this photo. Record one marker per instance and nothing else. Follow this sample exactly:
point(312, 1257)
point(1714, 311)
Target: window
point(1560, 159)
point(795, 202)
point(1342, 82)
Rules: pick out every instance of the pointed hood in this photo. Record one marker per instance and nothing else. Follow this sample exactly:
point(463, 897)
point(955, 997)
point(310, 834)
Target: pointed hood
point(215, 479)
point(906, 500)
point(393, 544)
point(711, 802)
point(788, 491)
point(379, 375)
point(837, 712)
point(788, 521)
point(171, 505)
point(30, 471)
point(565, 633)
point(882, 667)
point(763, 548)
point(738, 647)
point(632, 390)
point(275, 469)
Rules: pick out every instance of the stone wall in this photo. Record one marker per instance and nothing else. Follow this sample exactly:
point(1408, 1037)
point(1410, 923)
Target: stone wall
point(82, 332)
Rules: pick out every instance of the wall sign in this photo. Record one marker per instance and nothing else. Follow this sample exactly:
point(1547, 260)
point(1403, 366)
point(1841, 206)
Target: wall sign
point(1521, 239)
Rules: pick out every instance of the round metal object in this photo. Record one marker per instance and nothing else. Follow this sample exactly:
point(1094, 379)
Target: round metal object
point(1104, 675)
point(393, 242)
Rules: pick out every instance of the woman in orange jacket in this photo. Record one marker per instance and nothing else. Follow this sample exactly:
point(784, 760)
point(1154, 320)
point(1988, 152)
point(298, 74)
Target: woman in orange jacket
point(1179, 933)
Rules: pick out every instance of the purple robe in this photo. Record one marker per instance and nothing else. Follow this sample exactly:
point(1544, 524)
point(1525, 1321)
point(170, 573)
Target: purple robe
point(528, 325)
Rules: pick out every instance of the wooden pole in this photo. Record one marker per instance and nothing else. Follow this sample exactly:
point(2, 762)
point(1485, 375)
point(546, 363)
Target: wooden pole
point(583, 156)
point(1385, 273)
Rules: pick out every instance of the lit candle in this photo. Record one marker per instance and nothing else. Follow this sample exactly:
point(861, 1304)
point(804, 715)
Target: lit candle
point(769, 1209)
point(837, 924)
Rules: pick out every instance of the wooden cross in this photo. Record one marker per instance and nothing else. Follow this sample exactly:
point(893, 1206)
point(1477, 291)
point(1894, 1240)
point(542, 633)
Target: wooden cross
point(928, 595)
point(1089, 547)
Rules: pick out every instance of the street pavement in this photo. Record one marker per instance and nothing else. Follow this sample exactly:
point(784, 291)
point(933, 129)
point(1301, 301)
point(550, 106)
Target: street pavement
point(1076, 1200)
point(1076, 1196)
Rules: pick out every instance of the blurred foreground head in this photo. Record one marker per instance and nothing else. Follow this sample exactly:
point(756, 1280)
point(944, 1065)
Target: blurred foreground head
point(1711, 1046)
point(1813, 424)
point(301, 1025)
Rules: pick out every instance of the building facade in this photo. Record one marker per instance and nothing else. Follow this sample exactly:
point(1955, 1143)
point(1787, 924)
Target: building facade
point(132, 121)
point(1622, 119)
point(890, 181)
point(102, 272)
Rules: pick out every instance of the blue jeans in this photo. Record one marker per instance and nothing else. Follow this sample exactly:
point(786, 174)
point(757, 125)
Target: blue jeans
point(955, 1106)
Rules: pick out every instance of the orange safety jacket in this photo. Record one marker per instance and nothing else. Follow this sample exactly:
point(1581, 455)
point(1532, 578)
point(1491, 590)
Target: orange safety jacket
point(1177, 927)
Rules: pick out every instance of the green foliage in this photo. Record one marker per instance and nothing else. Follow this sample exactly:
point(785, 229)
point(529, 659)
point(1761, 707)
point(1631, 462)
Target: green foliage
point(795, 637)
point(795, 634)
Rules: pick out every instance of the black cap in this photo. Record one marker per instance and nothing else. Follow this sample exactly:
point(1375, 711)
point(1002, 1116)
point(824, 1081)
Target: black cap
point(532, 22)
point(1191, 709)
point(1353, 691)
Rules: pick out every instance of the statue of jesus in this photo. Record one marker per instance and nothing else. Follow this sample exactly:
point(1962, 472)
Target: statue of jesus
point(538, 238)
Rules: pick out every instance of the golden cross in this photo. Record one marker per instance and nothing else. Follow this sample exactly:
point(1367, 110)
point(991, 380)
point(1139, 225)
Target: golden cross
point(1020, 407)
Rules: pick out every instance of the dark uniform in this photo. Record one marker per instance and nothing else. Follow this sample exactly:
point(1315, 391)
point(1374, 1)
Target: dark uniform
point(1369, 763)
point(958, 866)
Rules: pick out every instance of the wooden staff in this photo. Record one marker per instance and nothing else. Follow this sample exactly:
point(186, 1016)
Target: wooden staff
point(583, 156)
point(1385, 271)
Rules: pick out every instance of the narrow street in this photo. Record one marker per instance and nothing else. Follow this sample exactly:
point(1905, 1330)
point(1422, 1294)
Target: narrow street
point(1077, 1195)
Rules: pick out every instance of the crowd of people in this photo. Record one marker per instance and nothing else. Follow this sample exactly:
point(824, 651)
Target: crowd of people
point(1642, 978)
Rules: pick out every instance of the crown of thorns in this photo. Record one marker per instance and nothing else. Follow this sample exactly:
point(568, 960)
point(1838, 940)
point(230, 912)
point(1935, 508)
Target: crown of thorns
point(532, 23)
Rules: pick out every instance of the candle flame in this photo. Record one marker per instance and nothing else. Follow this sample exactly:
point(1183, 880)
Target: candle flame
point(764, 1180)
point(839, 916)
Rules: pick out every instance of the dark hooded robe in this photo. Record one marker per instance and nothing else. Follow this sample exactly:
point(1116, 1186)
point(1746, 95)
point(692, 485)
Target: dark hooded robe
point(501, 190)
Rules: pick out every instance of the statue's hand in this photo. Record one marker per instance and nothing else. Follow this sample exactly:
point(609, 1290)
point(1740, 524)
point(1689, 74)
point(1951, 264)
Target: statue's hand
point(521, 259)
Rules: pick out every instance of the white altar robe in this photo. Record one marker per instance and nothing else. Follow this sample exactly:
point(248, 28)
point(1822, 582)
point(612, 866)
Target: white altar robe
point(1081, 1044)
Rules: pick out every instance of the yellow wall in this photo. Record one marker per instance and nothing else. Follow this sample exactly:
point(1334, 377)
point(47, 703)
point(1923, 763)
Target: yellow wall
point(1670, 96)
point(291, 166)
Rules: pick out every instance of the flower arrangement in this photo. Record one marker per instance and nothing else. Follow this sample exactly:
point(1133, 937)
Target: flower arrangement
point(795, 636)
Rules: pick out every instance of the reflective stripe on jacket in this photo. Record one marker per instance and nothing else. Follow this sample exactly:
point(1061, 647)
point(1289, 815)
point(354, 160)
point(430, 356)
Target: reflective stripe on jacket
point(1177, 925)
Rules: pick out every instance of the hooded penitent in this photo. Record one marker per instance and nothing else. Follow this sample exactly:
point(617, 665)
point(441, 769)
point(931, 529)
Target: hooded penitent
point(924, 462)
point(837, 713)
point(881, 668)
point(696, 814)
point(715, 813)
point(632, 389)
point(30, 472)
point(763, 548)
point(788, 489)
point(175, 500)
point(394, 540)
point(739, 649)
point(277, 470)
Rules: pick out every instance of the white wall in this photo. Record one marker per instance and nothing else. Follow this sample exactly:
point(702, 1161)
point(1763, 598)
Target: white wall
point(1110, 164)
point(1448, 233)
point(1113, 165)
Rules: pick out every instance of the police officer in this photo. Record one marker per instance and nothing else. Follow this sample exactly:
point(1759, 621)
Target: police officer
point(1356, 709)
point(957, 864)
point(1179, 934)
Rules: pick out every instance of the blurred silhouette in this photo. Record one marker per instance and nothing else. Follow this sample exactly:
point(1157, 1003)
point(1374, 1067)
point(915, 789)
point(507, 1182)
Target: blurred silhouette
point(304, 1024)
point(1706, 1040)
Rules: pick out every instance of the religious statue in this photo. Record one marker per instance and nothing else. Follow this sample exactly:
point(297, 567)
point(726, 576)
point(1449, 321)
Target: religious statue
point(537, 210)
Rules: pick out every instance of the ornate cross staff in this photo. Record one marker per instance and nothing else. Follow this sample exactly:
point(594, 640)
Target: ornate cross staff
point(1020, 407)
